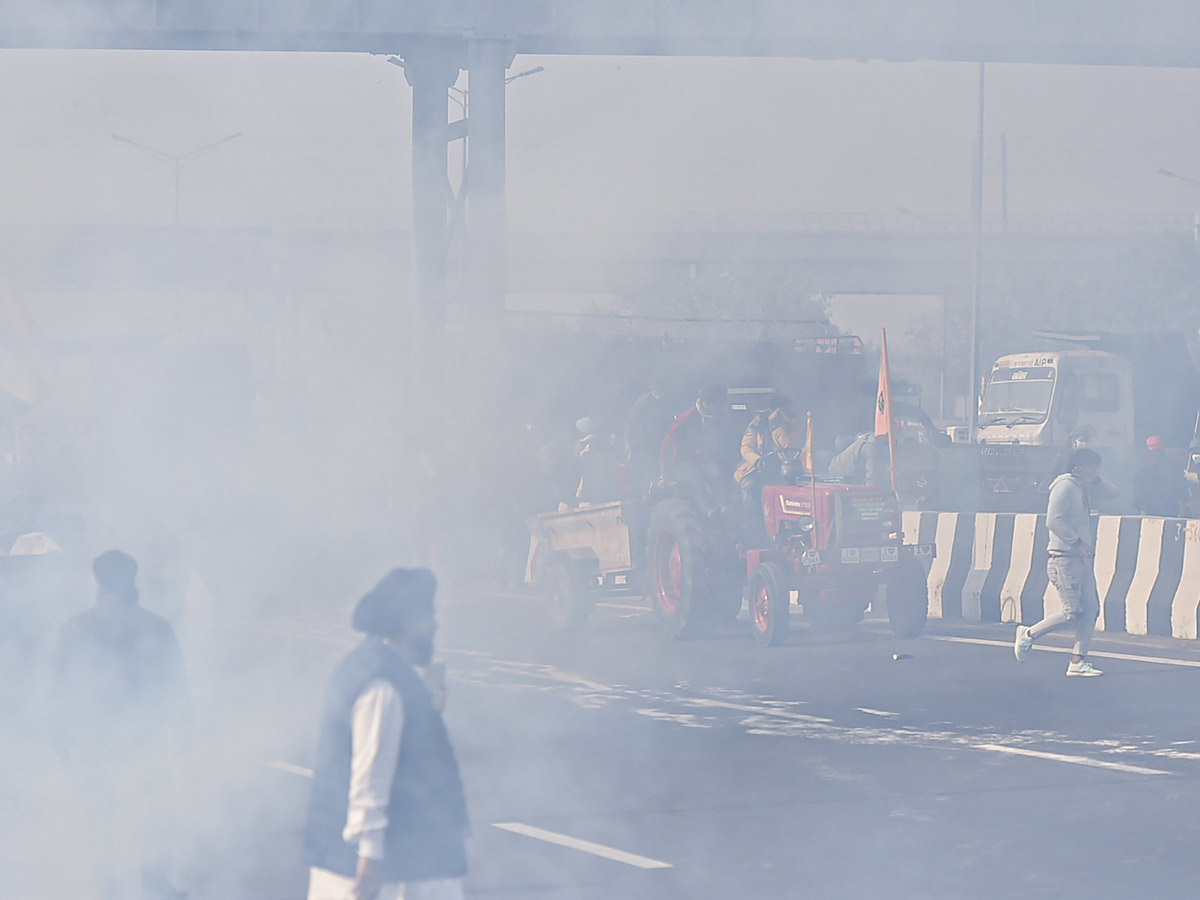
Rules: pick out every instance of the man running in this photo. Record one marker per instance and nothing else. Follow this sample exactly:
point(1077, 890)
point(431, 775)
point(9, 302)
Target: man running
point(1071, 563)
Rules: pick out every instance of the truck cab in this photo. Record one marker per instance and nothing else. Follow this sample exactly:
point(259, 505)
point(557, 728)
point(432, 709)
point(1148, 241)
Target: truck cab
point(1046, 399)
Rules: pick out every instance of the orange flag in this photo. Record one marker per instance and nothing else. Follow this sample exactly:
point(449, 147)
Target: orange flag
point(884, 414)
point(807, 453)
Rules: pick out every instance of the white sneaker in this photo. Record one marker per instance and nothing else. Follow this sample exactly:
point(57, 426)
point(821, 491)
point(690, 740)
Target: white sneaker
point(1084, 669)
point(1023, 643)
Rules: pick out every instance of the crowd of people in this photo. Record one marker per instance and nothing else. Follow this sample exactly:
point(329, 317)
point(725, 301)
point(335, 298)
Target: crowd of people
point(708, 449)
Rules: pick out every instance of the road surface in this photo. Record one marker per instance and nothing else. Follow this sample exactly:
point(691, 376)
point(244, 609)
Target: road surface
point(618, 763)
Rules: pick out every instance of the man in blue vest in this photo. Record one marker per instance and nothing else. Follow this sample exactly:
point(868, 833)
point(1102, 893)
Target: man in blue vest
point(388, 816)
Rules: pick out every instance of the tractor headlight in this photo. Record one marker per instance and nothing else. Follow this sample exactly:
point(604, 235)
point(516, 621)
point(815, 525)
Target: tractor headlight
point(805, 524)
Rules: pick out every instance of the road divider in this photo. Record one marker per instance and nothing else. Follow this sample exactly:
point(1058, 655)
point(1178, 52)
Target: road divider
point(991, 567)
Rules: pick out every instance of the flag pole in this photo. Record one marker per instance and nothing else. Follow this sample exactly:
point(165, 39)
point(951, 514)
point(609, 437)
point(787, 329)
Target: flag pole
point(808, 460)
point(885, 409)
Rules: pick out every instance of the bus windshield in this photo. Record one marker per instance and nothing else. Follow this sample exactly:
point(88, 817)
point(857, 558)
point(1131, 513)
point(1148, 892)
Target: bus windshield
point(1017, 396)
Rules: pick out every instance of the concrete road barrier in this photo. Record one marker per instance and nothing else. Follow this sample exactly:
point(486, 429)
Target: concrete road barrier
point(991, 567)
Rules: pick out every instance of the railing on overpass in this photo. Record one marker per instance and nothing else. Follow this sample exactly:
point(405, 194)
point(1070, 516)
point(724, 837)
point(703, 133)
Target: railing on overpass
point(706, 222)
point(927, 223)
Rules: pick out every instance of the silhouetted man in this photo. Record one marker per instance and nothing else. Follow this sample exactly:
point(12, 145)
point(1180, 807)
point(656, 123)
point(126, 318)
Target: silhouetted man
point(121, 708)
point(388, 817)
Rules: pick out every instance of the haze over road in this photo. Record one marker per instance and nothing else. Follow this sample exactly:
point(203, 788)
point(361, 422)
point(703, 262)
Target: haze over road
point(619, 763)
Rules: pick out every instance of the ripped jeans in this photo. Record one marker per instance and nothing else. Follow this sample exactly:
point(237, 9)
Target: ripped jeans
point(1075, 580)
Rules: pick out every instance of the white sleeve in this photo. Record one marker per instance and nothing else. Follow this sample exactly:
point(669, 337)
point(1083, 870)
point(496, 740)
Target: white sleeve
point(377, 724)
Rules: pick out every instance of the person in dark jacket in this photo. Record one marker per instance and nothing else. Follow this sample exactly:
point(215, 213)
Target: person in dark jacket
point(121, 709)
point(649, 420)
point(1159, 485)
point(387, 818)
point(694, 453)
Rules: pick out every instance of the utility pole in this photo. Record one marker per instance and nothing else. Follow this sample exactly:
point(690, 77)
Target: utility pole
point(973, 394)
point(1004, 182)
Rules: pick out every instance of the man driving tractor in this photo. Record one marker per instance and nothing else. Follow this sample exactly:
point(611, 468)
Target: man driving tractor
point(769, 431)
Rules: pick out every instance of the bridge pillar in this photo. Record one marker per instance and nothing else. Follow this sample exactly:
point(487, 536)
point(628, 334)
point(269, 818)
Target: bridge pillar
point(430, 69)
point(487, 61)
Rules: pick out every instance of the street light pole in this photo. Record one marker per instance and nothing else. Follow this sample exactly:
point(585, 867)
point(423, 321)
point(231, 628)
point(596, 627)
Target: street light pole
point(973, 395)
point(177, 159)
point(1169, 174)
point(1194, 183)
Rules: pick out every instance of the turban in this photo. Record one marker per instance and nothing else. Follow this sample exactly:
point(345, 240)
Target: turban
point(403, 597)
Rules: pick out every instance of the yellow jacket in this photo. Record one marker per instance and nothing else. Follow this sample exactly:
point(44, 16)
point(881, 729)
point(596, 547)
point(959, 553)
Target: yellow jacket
point(787, 435)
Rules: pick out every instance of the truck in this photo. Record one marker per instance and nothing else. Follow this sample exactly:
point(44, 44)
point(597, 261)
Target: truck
point(1105, 391)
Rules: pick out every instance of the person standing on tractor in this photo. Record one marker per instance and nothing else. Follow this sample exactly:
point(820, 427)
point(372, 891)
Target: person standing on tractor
point(692, 454)
point(769, 431)
point(597, 464)
point(1072, 549)
point(863, 461)
point(649, 419)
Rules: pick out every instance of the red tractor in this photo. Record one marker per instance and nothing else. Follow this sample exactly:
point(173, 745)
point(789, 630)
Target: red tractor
point(833, 545)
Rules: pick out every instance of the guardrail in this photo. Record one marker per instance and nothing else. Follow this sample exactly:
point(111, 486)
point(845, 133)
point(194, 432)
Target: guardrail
point(991, 567)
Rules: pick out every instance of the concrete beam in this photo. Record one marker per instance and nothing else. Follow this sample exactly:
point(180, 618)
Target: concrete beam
point(1100, 32)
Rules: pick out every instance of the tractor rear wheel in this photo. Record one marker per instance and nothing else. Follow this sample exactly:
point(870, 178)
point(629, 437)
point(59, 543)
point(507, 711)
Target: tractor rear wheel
point(770, 605)
point(678, 569)
point(908, 598)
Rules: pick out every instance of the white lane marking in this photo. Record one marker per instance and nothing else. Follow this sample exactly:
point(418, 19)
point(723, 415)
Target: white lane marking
point(882, 713)
point(763, 709)
point(1076, 760)
point(563, 840)
point(289, 768)
point(1104, 654)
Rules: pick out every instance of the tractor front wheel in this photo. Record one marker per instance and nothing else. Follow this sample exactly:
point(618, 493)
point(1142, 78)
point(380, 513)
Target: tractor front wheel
point(770, 605)
point(908, 598)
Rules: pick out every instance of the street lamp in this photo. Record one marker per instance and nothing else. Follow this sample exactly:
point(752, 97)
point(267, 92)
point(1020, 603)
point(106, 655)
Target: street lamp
point(1169, 174)
point(511, 78)
point(178, 158)
point(1194, 183)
